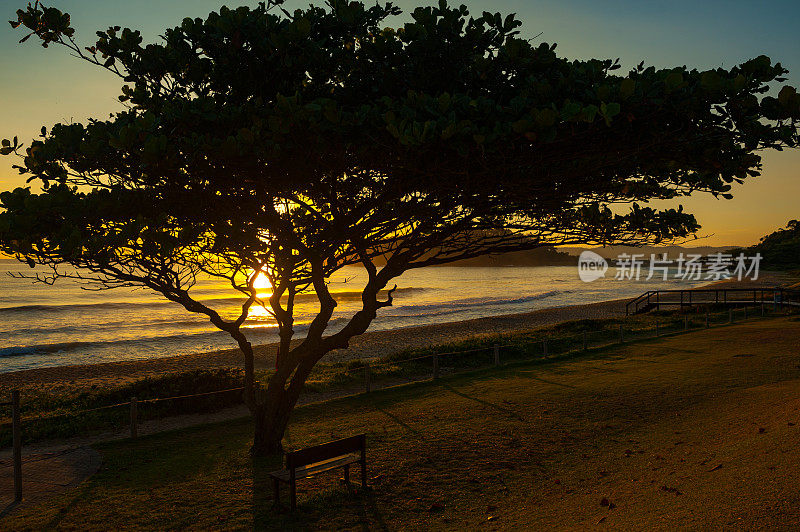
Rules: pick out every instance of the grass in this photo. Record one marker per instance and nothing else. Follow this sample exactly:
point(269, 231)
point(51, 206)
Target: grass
point(65, 413)
point(643, 426)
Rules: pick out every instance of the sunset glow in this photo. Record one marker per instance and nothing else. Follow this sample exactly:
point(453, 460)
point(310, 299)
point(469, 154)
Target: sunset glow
point(263, 282)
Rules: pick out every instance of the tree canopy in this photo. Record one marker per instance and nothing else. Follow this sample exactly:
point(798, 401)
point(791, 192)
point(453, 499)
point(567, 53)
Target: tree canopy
point(779, 250)
point(296, 143)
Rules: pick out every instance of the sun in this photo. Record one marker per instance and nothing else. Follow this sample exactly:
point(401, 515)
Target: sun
point(262, 282)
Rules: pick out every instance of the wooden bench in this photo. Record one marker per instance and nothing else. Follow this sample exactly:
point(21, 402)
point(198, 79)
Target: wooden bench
point(332, 455)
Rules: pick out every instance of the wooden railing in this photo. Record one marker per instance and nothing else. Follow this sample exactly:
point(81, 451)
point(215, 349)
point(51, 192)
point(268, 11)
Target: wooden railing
point(680, 298)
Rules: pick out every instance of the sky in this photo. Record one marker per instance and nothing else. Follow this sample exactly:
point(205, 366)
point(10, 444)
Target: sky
point(45, 86)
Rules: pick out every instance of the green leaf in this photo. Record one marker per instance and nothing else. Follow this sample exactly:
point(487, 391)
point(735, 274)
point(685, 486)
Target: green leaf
point(303, 26)
point(786, 94)
point(444, 102)
point(520, 126)
point(612, 109)
point(673, 80)
point(448, 132)
point(626, 88)
point(546, 117)
point(710, 80)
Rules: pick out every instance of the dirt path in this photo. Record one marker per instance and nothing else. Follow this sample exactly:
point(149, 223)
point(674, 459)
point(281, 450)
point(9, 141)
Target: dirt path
point(47, 474)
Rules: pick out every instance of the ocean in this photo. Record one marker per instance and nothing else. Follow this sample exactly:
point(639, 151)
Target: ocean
point(43, 326)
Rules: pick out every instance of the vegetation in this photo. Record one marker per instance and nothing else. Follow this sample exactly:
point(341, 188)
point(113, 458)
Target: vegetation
point(263, 142)
point(779, 250)
point(688, 429)
point(543, 256)
point(78, 411)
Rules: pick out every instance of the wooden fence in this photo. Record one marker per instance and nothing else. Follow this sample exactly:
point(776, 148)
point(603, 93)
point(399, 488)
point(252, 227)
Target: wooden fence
point(737, 297)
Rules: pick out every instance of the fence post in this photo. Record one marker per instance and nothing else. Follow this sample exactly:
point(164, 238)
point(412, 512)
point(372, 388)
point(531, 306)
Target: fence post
point(730, 315)
point(544, 347)
point(762, 306)
point(496, 355)
point(621, 337)
point(17, 444)
point(686, 323)
point(134, 418)
point(585, 343)
point(367, 376)
point(745, 312)
point(435, 366)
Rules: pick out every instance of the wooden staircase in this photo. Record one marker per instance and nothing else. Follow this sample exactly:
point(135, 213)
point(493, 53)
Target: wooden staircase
point(656, 299)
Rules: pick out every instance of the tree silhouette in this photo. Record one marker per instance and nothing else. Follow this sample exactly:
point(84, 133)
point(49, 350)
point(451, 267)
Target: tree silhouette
point(779, 250)
point(294, 144)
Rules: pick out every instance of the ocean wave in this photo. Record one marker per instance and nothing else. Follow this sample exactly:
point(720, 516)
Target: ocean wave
point(78, 306)
point(160, 303)
point(95, 328)
point(255, 334)
point(62, 347)
point(455, 306)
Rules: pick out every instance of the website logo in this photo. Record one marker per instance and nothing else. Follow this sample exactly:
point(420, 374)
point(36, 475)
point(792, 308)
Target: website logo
point(591, 266)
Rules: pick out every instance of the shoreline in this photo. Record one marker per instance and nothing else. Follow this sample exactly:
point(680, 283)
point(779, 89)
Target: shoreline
point(370, 345)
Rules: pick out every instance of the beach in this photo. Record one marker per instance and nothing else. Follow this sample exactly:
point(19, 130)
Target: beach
point(64, 324)
point(371, 345)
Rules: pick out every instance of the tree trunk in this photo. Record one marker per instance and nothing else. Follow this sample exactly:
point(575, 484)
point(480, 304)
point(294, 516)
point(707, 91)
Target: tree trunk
point(271, 413)
point(271, 419)
point(269, 431)
point(249, 368)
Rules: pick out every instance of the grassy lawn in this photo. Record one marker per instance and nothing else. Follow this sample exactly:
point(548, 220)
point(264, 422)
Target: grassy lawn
point(692, 430)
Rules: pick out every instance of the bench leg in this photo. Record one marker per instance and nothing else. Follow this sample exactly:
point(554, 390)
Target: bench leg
point(293, 492)
point(277, 487)
point(364, 474)
point(347, 474)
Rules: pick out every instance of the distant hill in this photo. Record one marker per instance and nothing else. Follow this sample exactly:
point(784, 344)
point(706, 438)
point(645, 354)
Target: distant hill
point(612, 252)
point(544, 256)
point(779, 250)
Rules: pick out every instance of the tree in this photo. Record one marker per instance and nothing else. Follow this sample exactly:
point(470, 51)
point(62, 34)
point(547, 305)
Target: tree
point(294, 144)
point(780, 250)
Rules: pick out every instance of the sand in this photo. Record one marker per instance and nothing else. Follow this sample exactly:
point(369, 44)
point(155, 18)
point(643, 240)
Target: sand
point(373, 344)
point(369, 345)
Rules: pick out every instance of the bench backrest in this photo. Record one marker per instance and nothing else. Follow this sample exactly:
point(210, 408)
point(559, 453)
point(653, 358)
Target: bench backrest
point(326, 451)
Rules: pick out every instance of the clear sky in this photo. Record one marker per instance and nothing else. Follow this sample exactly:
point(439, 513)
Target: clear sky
point(40, 87)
